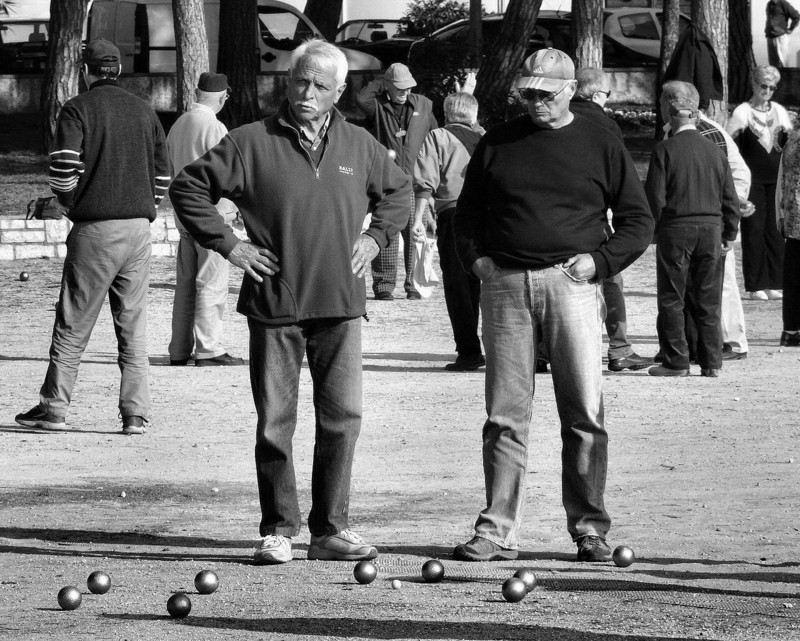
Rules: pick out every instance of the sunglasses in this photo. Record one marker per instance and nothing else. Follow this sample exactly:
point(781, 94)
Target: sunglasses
point(544, 96)
point(768, 87)
point(605, 93)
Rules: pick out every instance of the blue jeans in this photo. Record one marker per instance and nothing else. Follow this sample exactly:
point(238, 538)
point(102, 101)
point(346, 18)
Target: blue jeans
point(518, 306)
point(333, 349)
point(104, 258)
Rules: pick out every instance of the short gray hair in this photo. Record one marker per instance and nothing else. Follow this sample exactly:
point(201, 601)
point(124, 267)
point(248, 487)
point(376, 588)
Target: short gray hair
point(461, 107)
point(590, 81)
point(766, 73)
point(327, 55)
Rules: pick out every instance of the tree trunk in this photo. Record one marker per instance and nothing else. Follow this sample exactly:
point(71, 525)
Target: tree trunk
point(503, 59)
point(475, 33)
point(191, 43)
point(670, 33)
point(587, 30)
point(741, 60)
point(60, 82)
point(239, 60)
point(325, 16)
point(711, 17)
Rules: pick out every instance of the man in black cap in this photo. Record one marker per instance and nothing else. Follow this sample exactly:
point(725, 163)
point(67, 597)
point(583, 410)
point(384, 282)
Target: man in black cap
point(201, 284)
point(400, 120)
point(109, 167)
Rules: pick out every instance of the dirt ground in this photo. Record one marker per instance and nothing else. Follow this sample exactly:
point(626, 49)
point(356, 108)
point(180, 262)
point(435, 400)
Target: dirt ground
point(703, 485)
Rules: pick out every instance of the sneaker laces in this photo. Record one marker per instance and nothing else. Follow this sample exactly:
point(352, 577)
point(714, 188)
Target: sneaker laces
point(271, 541)
point(352, 537)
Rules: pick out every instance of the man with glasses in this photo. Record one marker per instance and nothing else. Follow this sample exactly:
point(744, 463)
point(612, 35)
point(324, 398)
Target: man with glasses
point(201, 284)
point(592, 93)
point(531, 224)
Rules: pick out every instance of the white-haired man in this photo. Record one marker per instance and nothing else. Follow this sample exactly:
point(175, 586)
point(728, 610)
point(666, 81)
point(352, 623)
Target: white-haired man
point(302, 181)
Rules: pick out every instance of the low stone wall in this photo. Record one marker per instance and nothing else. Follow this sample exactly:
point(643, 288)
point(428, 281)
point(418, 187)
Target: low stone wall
point(25, 239)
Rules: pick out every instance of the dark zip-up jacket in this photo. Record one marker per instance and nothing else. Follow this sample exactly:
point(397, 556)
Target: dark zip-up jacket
point(385, 126)
point(109, 156)
point(310, 216)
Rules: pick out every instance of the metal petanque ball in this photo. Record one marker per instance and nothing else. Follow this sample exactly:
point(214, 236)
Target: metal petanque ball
point(623, 556)
point(206, 582)
point(23, 276)
point(69, 598)
point(365, 572)
point(514, 590)
point(179, 606)
point(98, 582)
point(432, 571)
point(527, 576)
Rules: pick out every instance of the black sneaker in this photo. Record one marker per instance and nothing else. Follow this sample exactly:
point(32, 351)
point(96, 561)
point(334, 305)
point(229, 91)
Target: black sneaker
point(790, 339)
point(218, 361)
point(37, 417)
point(480, 549)
point(593, 548)
point(384, 296)
point(133, 425)
point(632, 362)
point(466, 363)
point(178, 362)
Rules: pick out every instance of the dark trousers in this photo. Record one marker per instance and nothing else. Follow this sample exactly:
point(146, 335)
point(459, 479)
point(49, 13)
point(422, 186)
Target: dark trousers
point(687, 255)
point(616, 317)
point(791, 285)
point(691, 308)
point(462, 290)
point(762, 244)
point(333, 349)
point(384, 265)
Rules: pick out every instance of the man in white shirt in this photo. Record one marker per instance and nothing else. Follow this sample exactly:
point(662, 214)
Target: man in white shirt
point(201, 287)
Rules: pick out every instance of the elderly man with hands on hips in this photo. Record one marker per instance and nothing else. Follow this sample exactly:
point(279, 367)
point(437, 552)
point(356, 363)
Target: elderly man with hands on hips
point(302, 180)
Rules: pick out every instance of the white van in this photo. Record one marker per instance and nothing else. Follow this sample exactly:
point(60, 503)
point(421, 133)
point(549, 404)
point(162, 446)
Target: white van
point(144, 32)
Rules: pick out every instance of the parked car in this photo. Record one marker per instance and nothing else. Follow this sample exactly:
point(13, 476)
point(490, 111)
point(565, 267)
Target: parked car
point(387, 40)
point(631, 38)
point(23, 36)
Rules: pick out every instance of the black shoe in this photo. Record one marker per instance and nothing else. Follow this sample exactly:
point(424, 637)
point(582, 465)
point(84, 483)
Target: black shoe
point(384, 296)
point(414, 296)
point(541, 366)
point(729, 355)
point(789, 339)
point(133, 425)
point(662, 370)
point(593, 548)
point(217, 361)
point(480, 549)
point(632, 362)
point(466, 363)
point(179, 362)
point(709, 372)
point(37, 417)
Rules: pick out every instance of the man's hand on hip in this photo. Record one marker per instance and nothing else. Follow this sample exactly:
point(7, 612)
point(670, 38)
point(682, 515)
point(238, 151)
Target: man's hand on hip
point(252, 259)
point(364, 251)
point(581, 267)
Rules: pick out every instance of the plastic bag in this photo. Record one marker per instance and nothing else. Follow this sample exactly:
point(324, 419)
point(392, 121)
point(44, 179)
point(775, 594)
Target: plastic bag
point(423, 274)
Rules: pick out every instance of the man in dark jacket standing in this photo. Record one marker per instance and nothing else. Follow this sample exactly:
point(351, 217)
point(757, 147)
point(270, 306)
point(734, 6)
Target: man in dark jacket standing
point(400, 120)
point(782, 18)
point(302, 181)
point(531, 224)
point(110, 167)
point(591, 95)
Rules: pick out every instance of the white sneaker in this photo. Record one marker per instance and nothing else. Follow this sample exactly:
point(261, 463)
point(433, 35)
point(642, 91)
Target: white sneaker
point(273, 549)
point(774, 294)
point(759, 295)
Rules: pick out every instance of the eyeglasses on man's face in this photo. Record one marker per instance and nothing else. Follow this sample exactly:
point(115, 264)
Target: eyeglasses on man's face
point(534, 95)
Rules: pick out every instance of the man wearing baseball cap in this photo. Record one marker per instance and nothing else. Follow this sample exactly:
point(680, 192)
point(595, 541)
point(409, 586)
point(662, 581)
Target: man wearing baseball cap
point(531, 224)
point(400, 120)
point(201, 285)
point(109, 166)
point(693, 199)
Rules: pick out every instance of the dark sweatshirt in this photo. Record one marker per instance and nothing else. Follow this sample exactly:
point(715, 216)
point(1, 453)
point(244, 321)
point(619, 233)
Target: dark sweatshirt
point(534, 197)
point(689, 180)
point(109, 157)
point(310, 216)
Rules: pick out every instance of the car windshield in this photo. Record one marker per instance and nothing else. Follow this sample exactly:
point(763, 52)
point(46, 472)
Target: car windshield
point(23, 32)
point(277, 25)
point(372, 31)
